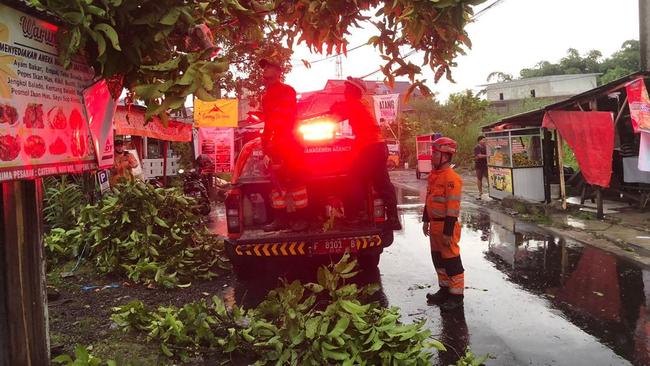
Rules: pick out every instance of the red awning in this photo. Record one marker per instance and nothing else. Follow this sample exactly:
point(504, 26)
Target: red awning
point(133, 123)
point(591, 137)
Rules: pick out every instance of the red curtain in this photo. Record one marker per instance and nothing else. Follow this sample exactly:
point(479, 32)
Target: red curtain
point(591, 137)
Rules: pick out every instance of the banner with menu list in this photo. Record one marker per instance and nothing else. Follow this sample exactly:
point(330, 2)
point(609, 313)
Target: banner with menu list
point(43, 127)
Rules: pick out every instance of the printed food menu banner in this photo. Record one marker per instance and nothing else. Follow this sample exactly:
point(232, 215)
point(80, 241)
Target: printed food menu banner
point(218, 145)
point(639, 102)
point(43, 129)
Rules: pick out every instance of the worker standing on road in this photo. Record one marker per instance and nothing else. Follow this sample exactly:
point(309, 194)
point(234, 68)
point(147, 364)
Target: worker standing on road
point(372, 153)
point(282, 148)
point(480, 165)
point(440, 224)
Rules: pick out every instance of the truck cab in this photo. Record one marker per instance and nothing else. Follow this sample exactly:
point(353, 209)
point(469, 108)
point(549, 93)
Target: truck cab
point(328, 151)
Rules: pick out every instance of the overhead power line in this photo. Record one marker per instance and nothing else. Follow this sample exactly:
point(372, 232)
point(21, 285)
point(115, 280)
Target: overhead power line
point(479, 13)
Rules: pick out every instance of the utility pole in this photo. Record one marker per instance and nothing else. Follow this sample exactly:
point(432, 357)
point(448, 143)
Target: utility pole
point(339, 67)
point(644, 33)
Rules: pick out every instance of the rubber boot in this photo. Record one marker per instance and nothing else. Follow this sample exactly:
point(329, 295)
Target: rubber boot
point(439, 297)
point(280, 221)
point(453, 302)
point(392, 222)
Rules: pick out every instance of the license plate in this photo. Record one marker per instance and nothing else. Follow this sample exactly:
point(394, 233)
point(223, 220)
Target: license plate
point(335, 246)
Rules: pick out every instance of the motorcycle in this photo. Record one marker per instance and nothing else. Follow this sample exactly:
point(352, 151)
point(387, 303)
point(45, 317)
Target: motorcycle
point(193, 187)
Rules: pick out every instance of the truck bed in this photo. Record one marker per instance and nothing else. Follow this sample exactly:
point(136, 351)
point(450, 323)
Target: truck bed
point(288, 235)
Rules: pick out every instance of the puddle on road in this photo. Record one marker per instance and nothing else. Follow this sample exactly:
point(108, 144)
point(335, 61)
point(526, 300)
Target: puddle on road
point(602, 294)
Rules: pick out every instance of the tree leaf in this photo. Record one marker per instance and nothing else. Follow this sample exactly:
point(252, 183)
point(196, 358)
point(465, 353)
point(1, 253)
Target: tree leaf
point(340, 327)
point(110, 33)
point(168, 65)
point(171, 17)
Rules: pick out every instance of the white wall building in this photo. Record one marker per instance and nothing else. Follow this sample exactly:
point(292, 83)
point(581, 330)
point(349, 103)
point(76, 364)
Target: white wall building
point(506, 96)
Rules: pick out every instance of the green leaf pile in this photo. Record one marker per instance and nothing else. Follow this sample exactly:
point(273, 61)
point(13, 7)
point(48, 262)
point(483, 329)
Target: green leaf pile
point(291, 327)
point(151, 235)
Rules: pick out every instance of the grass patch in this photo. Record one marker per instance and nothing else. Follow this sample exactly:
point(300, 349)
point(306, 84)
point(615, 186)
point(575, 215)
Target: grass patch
point(127, 350)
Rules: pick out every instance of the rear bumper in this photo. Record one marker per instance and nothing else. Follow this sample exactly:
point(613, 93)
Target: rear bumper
point(279, 247)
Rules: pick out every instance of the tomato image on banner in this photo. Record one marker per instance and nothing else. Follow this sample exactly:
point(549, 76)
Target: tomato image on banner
point(56, 118)
point(8, 114)
point(33, 117)
point(35, 146)
point(58, 147)
point(76, 121)
point(9, 147)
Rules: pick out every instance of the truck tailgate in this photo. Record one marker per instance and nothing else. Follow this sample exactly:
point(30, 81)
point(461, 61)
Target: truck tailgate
point(258, 243)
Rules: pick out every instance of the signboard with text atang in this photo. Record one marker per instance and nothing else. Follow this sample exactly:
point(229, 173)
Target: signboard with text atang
point(43, 127)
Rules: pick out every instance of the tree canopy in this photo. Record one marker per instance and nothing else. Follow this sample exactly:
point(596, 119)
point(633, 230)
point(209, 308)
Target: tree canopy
point(165, 50)
point(621, 63)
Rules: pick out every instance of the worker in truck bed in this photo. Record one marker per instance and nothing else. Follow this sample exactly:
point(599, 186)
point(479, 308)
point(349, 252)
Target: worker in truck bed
point(372, 153)
point(283, 151)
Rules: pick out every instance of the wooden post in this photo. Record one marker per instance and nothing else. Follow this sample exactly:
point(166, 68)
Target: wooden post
point(599, 203)
point(547, 153)
point(165, 149)
point(24, 339)
point(560, 161)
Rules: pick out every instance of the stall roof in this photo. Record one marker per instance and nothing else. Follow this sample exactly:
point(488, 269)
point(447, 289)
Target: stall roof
point(534, 118)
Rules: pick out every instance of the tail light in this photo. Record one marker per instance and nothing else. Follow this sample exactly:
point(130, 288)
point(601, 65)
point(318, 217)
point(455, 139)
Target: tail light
point(234, 217)
point(318, 130)
point(379, 210)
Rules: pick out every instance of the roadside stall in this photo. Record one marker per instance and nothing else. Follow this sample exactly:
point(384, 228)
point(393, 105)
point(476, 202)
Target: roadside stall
point(423, 152)
point(522, 158)
point(151, 140)
point(516, 163)
point(608, 131)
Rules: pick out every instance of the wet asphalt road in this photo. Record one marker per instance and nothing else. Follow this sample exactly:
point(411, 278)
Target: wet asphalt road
point(530, 298)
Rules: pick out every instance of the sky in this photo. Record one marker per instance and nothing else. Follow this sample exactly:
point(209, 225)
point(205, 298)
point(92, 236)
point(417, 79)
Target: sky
point(508, 37)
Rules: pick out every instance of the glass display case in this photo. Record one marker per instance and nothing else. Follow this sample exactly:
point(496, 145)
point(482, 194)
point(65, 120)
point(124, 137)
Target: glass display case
point(515, 163)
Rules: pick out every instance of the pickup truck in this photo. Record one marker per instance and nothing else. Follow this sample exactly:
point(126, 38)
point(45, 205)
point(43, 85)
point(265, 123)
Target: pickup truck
point(328, 153)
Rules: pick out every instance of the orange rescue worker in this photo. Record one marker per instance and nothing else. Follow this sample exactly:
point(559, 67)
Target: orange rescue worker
point(282, 147)
point(440, 224)
point(372, 153)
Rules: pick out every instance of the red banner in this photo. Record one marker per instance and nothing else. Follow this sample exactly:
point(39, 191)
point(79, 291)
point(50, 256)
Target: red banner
point(637, 99)
point(133, 123)
point(591, 137)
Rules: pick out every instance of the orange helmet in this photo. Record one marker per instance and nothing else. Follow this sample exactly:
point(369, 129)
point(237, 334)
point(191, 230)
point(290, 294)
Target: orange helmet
point(445, 145)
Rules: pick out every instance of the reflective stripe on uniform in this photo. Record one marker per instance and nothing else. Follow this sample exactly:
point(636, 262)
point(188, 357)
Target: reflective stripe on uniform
point(445, 199)
point(299, 196)
point(278, 200)
point(453, 212)
point(437, 213)
point(457, 284)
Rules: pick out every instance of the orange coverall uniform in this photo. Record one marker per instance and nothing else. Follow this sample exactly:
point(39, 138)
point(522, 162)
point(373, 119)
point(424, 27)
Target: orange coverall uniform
point(442, 209)
point(280, 142)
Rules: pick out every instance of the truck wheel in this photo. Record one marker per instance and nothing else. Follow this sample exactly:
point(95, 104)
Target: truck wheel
point(369, 261)
point(417, 174)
